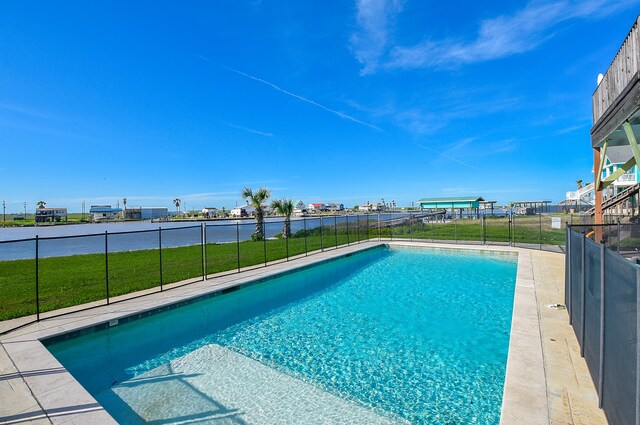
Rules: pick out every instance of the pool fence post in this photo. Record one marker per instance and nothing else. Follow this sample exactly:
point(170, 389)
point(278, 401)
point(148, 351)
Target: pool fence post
point(238, 244)
point(321, 237)
point(583, 284)
point(540, 230)
point(567, 286)
point(335, 229)
point(264, 241)
point(513, 233)
point(202, 230)
point(434, 234)
point(347, 218)
point(358, 227)
point(37, 281)
point(367, 227)
point(204, 250)
point(509, 226)
point(455, 227)
point(106, 263)
point(304, 225)
point(160, 251)
point(409, 225)
point(618, 247)
point(286, 240)
point(484, 230)
point(379, 236)
point(602, 313)
point(637, 348)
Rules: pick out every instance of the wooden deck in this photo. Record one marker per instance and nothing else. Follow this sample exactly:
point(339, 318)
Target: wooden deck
point(617, 97)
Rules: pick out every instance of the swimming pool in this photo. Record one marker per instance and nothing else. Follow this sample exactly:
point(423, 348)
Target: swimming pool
point(382, 336)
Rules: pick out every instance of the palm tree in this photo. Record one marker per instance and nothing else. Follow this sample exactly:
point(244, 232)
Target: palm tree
point(41, 204)
point(579, 183)
point(255, 200)
point(285, 208)
point(177, 202)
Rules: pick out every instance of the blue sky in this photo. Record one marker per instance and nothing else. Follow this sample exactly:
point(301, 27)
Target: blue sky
point(325, 101)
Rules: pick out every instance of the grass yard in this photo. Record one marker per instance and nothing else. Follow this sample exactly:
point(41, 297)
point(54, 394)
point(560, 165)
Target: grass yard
point(72, 280)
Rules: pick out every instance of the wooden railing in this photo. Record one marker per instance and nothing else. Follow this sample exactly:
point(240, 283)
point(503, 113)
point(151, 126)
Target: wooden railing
point(621, 71)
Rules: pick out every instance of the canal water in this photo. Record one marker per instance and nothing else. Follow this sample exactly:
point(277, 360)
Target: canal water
point(74, 239)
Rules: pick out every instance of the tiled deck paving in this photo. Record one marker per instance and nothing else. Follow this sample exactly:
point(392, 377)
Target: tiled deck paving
point(547, 380)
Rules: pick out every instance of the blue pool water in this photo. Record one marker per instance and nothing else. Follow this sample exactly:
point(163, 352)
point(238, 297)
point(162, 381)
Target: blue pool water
point(419, 334)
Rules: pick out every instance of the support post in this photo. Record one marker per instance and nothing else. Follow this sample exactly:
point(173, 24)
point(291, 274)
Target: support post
point(597, 194)
point(358, 227)
point(321, 236)
point(37, 280)
point(335, 228)
point(618, 245)
point(379, 236)
point(602, 325)
point(106, 264)
point(286, 243)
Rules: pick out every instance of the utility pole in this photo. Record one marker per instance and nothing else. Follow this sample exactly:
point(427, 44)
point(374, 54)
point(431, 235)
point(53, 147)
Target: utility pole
point(4, 212)
point(25, 210)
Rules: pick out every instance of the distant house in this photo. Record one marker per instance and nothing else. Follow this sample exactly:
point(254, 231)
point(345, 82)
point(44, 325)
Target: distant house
point(299, 208)
point(104, 212)
point(210, 212)
point(50, 215)
point(266, 208)
point(369, 207)
point(334, 207)
point(315, 207)
point(243, 211)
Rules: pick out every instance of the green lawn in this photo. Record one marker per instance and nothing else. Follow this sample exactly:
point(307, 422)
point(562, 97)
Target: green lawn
point(77, 279)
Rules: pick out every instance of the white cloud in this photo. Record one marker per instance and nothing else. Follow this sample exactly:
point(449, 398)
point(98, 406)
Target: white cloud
point(498, 37)
point(374, 19)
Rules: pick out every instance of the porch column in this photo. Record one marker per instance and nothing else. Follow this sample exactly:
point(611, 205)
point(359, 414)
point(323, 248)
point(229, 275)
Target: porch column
point(597, 195)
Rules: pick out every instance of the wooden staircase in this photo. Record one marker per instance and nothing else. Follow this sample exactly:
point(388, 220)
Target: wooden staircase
point(620, 197)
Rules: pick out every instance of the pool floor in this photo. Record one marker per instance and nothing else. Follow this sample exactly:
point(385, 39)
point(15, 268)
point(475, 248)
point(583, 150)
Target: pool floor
point(383, 336)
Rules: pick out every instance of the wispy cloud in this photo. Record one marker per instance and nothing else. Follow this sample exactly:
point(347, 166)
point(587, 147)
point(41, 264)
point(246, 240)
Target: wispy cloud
point(375, 21)
point(497, 38)
point(288, 93)
point(250, 130)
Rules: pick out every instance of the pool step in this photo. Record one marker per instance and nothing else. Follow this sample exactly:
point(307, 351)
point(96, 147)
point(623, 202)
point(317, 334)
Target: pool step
point(219, 386)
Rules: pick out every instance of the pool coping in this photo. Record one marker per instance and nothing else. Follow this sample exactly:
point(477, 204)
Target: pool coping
point(42, 390)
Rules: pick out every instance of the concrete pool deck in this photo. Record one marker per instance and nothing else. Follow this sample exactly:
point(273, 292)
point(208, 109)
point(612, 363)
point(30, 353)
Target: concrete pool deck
point(547, 382)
